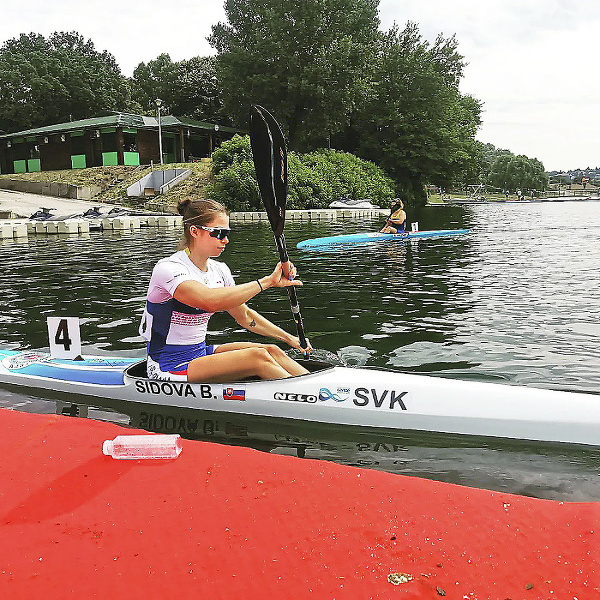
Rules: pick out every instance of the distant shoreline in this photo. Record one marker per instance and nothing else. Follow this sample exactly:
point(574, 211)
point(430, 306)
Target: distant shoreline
point(460, 201)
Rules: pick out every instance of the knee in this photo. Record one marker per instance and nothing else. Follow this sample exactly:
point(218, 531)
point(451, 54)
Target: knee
point(274, 351)
point(261, 354)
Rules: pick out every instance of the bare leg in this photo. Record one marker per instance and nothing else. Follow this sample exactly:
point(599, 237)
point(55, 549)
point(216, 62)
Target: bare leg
point(275, 352)
point(234, 365)
point(388, 229)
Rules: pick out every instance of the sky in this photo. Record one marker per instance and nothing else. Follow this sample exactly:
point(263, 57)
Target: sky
point(530, 62)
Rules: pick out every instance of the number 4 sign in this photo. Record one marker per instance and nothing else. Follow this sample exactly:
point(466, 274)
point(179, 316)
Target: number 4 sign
point(64, 337)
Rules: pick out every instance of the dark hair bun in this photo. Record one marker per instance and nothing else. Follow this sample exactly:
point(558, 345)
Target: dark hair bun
point(183, 205)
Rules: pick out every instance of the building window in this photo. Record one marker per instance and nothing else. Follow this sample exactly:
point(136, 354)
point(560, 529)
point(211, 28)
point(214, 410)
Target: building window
point(20, 151)
point(109, 142)
point(77, 145)
point(129, 142)
point(168, 145)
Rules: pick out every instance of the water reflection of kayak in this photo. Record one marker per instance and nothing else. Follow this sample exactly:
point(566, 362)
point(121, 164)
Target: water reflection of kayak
point(367, 237)
point(358, 397)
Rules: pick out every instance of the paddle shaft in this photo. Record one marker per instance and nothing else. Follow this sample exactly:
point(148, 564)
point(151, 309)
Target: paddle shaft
point(294, 304)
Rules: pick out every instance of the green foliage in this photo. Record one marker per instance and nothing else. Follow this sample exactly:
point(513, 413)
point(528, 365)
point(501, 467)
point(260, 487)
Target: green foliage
point(237, 149)
point(417, 125)
point(512, 172)
point(236, 187)
point(314, 180)
point(307, 61)
point(154, 80)
point(234, 182)
point(326, 175)
point(501, 169)
point(61, 78)
point(189, 88)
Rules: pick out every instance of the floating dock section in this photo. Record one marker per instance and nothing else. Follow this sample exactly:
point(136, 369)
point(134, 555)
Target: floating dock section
point(14, 228)
point(321, 214)
point(17, 228)
point(225, 522)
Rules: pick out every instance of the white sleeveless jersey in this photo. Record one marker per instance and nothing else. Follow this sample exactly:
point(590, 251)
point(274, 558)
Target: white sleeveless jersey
point(168, 322)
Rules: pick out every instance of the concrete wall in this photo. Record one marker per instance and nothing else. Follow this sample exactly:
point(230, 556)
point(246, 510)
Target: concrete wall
point(160, 181)
point(60, 190)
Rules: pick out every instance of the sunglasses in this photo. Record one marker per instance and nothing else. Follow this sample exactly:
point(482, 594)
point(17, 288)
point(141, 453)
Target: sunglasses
point(217, 232)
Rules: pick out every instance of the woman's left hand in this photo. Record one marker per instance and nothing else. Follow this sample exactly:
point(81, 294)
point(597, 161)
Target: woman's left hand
point(295, 343)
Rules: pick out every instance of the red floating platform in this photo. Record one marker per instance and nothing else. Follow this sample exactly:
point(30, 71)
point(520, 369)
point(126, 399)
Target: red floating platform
point(229, 522)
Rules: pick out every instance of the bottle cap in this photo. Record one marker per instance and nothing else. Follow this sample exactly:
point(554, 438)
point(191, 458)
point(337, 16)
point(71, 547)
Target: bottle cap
point(107, 447)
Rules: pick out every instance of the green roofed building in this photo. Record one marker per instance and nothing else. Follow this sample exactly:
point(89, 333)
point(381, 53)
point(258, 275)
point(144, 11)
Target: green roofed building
point(117, 139)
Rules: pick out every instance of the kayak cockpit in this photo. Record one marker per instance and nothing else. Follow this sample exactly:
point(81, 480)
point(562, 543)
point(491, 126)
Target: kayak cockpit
point(138, 370)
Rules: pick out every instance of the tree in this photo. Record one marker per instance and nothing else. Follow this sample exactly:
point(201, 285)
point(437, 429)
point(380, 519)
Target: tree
point(45, 81)
point(417, 125)
point(199, 94)
point(154, 80)
point(309, 62)
point(189, 88)
point(512, 172)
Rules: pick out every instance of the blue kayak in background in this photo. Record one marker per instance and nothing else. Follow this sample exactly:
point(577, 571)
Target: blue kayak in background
point(367, 237)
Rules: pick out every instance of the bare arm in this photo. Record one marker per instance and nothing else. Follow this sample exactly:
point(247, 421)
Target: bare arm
point(198, 295)
point(255, 322)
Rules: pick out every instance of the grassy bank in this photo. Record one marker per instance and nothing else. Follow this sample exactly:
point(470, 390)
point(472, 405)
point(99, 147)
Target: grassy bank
point(114, 182)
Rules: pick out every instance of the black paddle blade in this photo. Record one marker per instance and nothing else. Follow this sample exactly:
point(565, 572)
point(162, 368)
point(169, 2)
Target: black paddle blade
point(270, 163)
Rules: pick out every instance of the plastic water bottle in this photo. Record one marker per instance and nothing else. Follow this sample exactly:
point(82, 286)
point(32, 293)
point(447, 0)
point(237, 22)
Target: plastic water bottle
point(143, 446)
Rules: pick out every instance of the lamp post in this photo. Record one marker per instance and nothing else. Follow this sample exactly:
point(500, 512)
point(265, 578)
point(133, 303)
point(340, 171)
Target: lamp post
point(158, 105)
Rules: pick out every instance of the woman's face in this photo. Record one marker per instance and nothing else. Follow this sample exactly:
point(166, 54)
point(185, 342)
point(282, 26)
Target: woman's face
point(208, 242)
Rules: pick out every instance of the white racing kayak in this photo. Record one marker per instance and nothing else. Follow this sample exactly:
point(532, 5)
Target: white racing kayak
point(362, 397)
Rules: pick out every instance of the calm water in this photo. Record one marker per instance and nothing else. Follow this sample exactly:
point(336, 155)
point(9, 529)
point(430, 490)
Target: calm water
point(515, 301)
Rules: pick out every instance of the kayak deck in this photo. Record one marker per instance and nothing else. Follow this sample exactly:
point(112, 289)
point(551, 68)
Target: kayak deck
point(100, 370)
point(367, 237)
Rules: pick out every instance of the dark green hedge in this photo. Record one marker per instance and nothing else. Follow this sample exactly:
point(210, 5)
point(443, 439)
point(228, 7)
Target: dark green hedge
point(314, 180)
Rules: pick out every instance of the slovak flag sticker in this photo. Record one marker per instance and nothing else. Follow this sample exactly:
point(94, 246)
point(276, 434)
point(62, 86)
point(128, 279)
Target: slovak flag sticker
point(234, 394)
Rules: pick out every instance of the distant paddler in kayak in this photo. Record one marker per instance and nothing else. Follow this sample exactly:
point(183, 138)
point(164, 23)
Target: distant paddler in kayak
point(187, 287)
point(396, 222)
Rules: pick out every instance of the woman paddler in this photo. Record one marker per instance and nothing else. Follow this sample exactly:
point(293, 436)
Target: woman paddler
point(396, 222)
point(187, 287)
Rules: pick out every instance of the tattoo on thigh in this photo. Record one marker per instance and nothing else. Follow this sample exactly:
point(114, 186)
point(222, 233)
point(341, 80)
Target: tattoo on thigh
point(252, 323)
